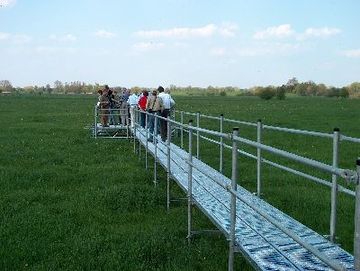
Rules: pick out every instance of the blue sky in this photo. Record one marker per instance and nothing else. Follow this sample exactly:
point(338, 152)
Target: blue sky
point(240, 43)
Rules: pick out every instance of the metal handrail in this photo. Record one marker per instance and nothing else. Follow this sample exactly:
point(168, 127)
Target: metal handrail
point(349, 175)
point(271, 127)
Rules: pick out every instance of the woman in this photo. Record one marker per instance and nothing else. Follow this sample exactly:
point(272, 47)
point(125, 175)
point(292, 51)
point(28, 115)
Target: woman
point(142, 105)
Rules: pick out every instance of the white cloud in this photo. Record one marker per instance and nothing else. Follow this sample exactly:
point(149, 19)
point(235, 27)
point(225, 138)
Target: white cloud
point(286, 31)
point(228, 29)
point(65, 38)
point(105, 34)
point(148, 46)
point(281, 31)
point(265, 49)
point(218, 51)
point(323, 32)
point(20, 38)
point(352, 53)
point(7, 3)
point(4, 36)
point(209, 30)
point(54, 50)
point(15, 38)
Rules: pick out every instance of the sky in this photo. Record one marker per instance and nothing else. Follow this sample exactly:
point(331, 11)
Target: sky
point(147, 43)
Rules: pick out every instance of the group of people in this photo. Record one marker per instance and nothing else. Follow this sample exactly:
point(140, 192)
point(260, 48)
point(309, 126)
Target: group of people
point(115, 108)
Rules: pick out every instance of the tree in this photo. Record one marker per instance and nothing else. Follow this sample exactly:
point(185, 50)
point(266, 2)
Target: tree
point(291, 84)
point(265, 93)
point(354, 89)
point(5, 86)
point(48, 88)
point(58, 86)
point(280, 92)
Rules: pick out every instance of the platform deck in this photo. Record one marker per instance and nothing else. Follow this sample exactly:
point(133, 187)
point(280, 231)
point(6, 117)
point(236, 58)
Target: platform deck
point(264, 245)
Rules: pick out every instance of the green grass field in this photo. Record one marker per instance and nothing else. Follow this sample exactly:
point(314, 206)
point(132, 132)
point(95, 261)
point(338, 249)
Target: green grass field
point(69, 202)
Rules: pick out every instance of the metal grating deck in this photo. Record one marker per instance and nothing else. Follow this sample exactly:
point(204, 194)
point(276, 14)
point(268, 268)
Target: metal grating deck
point(264, 245)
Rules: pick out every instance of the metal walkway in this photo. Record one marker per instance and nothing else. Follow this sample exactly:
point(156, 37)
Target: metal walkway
point(260, 241)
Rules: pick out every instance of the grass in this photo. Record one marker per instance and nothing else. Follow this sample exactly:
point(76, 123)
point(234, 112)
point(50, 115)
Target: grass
point(69, 202)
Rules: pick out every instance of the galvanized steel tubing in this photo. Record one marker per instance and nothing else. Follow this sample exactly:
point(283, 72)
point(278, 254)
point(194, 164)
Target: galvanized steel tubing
point(168, 165)
point(334, 188)
point(283, 129)
point(258, 158)
point(189, 191)
point(234, 168)
point(357, 220)
point(154, 135)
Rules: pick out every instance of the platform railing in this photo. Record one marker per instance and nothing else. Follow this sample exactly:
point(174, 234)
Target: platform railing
point(351, 176)
point(112, 114)
point(336, 137)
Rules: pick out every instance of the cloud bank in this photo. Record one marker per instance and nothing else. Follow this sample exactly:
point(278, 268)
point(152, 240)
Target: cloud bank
point(209, 30)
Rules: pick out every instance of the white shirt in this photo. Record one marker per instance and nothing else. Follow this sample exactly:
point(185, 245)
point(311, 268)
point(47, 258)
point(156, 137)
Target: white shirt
point(168, 102)
point(133, 100)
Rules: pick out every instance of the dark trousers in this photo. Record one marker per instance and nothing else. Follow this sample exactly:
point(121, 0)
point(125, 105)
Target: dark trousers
point(163, 124)
point(142, 119)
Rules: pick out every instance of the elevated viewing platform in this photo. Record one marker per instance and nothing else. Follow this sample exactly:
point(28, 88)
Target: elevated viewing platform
point(266, 246)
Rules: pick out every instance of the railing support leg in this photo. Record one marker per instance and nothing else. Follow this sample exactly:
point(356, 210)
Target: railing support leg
point(233, 201)
point(168, 166)
point(357, 220)
point(146, 141)
point(198, 135)
point(334, 189)
point(189, 192)
point(221, 166)
point(182, 129)
point(95, 122)
point(258, 165)
point(134, 127)
point(155, 152)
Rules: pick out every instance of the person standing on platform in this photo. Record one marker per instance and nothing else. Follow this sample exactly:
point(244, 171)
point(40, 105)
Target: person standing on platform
point(133, 102)
point(153, 106)
point(123, 111)
point(142, 106)
point(104, 107)
point(168, 102)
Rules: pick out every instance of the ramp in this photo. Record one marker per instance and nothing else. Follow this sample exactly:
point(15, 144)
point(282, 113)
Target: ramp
point(265, 246)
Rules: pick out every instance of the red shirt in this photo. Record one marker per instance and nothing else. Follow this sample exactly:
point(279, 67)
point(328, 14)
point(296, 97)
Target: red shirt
point(142, 103)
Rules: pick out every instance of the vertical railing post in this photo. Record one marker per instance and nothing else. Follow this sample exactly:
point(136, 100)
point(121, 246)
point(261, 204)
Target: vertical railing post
point(155, 144)
point(221, 166)
point(95, 122)
point(234, 170)
point(146, 141)
point(134, 126)
point(334, 189)
point(168, 165)
point(189, 192)
point(182, 129)
point(258, 165)
point(198, 135)
point(140, 133)
point(357, 220)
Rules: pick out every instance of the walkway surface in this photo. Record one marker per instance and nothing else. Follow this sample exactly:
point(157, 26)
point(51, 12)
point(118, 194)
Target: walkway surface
point(263, 244)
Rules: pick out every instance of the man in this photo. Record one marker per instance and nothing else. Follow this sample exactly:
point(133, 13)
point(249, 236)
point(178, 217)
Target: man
point(153, 106)
point(133, 102)
point(168, 103)
point(104, 107)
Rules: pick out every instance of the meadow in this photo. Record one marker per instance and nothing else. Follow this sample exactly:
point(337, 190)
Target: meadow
point(70, 202)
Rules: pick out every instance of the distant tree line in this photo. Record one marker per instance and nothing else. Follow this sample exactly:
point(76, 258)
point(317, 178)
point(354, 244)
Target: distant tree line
point(308, 88)
point(292, 87)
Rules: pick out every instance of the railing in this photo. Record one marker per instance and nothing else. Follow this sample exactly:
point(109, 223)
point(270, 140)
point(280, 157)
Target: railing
point(335, 136)
point(350, 176)
point(112, 115)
